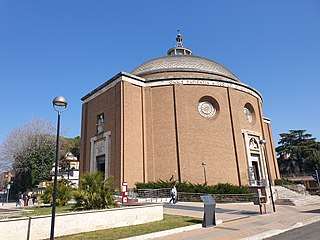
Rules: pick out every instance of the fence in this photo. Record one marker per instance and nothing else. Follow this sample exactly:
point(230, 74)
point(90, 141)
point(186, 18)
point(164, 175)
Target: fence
point(151, 195)
point(301, 174)
point(163, 194)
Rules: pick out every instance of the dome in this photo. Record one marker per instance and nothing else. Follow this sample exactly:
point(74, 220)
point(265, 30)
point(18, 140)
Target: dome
point(181, 59)
point(183, 63)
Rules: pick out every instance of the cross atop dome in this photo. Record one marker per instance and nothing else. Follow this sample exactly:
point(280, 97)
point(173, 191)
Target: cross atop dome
point(179, 49)
point(179, 40)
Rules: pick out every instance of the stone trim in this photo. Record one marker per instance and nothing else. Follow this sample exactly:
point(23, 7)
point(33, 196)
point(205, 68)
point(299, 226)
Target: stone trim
point(107, 138)
point(247, 135)
point(135, 80)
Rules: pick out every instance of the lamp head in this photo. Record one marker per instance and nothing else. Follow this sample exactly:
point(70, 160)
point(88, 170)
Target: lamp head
point(59, 103)
point(262, 142)
point(69, 154)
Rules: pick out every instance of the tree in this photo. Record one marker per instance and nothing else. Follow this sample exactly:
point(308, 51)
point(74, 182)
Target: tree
point(34, 164)
point(68, 145)
point(16, 143)
point(297, 152)
point(95, 192)
point(29, 150)
point(72, 145)
point(312, 162)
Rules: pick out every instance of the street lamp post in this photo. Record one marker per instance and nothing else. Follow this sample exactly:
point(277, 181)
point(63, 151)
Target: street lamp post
point(263, 143)
point(204, 172)
point(68, 170)
point(8, 191)
point(59, 104)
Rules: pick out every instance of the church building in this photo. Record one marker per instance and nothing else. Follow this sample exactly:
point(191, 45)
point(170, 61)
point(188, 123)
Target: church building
point(181, 117)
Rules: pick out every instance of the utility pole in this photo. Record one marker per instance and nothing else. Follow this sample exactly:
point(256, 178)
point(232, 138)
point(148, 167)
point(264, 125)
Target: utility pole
point(8, 191)
point(263, 144)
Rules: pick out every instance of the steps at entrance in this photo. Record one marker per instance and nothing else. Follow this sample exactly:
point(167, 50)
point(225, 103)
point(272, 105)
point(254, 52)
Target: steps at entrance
point(285, 196)
point(284, 202)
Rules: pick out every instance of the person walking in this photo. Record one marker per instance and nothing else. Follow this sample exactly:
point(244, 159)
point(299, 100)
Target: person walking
point(26, 199)
point(174, 194)
point(34, 198)
point(18, 197)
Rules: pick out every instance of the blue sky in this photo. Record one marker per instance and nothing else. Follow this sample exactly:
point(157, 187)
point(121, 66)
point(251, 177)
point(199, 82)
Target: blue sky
point(50, 48)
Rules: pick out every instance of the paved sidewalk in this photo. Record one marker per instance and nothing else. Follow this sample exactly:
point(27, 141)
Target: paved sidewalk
point(7, 205)
point(243, 221)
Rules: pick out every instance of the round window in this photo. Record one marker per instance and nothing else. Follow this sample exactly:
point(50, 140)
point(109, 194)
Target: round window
point(206, 109)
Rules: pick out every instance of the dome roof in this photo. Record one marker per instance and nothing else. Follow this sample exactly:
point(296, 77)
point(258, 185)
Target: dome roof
point(183, 63)
point(181, 59)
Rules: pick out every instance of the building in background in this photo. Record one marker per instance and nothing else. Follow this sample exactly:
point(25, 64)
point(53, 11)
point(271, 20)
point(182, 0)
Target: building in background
point(181, 117)
point(71, 172)
point(5, 185)
point(68, 169)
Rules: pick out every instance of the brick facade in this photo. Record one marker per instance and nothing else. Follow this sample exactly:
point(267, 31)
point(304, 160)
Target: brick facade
point(155, 130)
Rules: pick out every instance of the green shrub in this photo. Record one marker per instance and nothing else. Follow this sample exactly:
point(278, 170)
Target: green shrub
point(155, 185)
point(64, 193)
point(227, 188)
point(283, 181)
point(220, 188)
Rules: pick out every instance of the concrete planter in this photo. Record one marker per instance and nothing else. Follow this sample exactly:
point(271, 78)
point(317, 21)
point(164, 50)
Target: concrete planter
point(77, 222)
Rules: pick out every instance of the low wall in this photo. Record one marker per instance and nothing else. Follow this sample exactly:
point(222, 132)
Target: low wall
point(299, 188)
point(219, 198)
point(77, 222)
point(164, 193)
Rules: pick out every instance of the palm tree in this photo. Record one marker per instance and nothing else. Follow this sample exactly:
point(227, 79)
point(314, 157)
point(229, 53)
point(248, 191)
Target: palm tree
point(95, 192)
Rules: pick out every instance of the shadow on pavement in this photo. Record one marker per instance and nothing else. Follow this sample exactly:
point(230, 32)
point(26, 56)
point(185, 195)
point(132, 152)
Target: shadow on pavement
point(312, 211)
point(194, 221)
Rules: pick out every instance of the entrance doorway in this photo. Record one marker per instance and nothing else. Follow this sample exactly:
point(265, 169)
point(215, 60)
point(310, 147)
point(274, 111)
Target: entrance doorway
point(255, 163)
point(101, 164)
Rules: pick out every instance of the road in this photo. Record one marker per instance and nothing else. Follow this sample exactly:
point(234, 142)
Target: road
point(309, 232)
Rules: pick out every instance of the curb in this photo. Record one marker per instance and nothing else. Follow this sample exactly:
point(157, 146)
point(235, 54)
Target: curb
point(165, 233)
point(168, 232)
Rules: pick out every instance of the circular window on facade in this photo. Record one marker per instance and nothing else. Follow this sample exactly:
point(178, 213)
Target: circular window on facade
point(208, 107)
point(248, 112)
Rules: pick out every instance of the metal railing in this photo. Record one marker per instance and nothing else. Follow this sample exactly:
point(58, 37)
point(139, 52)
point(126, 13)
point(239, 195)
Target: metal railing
point(152, 195)
point(301, 174)
point(163, 195)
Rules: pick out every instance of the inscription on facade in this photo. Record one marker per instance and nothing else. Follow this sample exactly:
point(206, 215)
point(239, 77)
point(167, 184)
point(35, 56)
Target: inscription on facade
point(138, 82)
point(100, 148)
point(215, 83)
